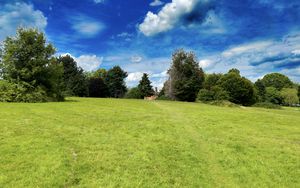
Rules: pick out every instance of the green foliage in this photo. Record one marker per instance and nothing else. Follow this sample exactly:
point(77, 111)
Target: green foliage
point(211, 80)
point(267, 105)
point(97, 87)
point(134, 93)
point(289, 96)
point(277, 81)
point(273, 96)
point(223, 103)
point(298, 92)
point(240, 90)
point(145, 88)
point(261, 90)
point(11, 92)
point(115, 81)
point(163, 98)
point(185, 77)
point(216, 93)
point(205, 95)
point(74, 79)
point(27, 64)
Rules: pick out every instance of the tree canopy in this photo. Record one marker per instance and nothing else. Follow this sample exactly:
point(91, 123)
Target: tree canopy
point(277, 80)
point(27, 62)
point(185, 77)
point(115, 80)
point(145, 87)
point(75, 81)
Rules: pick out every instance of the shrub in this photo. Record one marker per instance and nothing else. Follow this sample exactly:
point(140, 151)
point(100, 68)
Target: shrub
point(205, 95)
point(223, 103)
point(267, 105)
point(133, 93)
point(11, 92)
point(289, 96)
point(216, 93)
point(164, 97)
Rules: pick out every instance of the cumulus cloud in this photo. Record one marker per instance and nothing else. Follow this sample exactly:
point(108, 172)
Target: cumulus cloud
point(134, 76)
point(156, 3)
point(86, 62)
point(15, 15)
point(85, 26)
point(258, 58)
point(89, 62)
point(178, 12)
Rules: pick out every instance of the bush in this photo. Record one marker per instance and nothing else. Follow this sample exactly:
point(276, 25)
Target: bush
point(216, 93)
point(163, 98)
point(223, 103)
point(205, 95)
point(11, 92)
point(133, 93)
point(267, 105)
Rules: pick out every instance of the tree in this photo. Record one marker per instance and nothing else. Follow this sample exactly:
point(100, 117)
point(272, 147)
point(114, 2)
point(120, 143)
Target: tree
point(205, 95)
point(273, 95)
point(145, 87)
point(133, 93)
point(216, 93)
point(75, 81)
point(277, 80)
point(185, 77)
point(115, 81)
point(239, 89)
point(299, 92)
point(211, 80)
point(261, 90)
point(289, 96)
point(27, 62)
point(97, 87)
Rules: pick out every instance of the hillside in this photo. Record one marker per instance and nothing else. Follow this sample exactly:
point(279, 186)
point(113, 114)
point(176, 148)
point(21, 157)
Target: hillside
point(135, 143)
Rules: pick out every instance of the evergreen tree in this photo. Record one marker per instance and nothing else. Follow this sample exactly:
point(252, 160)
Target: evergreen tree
point(145, 87)
point(75, 81)
point(115, 80)
point(97, 87)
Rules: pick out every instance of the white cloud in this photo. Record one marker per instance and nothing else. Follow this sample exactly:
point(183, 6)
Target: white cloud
point(136, 59)
point(85, 26)
point(89, 62)
point(134, 76)
point(156, 3)
point(167, 18)
point(251, 47)
point(86, 62)
point(17, 15)
point(206, 63)
point(258, 58)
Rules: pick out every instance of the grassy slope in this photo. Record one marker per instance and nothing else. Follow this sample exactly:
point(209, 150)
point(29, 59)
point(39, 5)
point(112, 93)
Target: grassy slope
point(135, 143)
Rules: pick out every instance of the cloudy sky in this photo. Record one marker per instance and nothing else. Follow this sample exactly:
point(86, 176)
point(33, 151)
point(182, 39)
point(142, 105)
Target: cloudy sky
point(255, 36)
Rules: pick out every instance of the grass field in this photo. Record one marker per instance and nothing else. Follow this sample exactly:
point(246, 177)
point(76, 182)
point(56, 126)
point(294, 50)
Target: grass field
point(136, 143)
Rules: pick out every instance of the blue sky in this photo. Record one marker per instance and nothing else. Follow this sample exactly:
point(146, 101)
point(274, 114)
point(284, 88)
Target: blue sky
point(255, 36)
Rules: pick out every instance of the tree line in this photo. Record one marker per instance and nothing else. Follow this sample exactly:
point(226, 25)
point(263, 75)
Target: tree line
point(29, 72)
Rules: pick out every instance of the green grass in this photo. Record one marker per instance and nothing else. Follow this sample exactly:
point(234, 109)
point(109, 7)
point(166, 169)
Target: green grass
point(136, 143)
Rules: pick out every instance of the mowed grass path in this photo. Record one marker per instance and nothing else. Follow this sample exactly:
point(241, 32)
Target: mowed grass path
point(136, 143)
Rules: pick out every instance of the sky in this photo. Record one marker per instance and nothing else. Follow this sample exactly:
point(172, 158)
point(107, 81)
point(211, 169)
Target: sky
point(255, 36)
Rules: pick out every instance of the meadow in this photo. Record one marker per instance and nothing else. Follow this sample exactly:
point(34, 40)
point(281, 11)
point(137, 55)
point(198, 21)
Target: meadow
point(135, 143)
